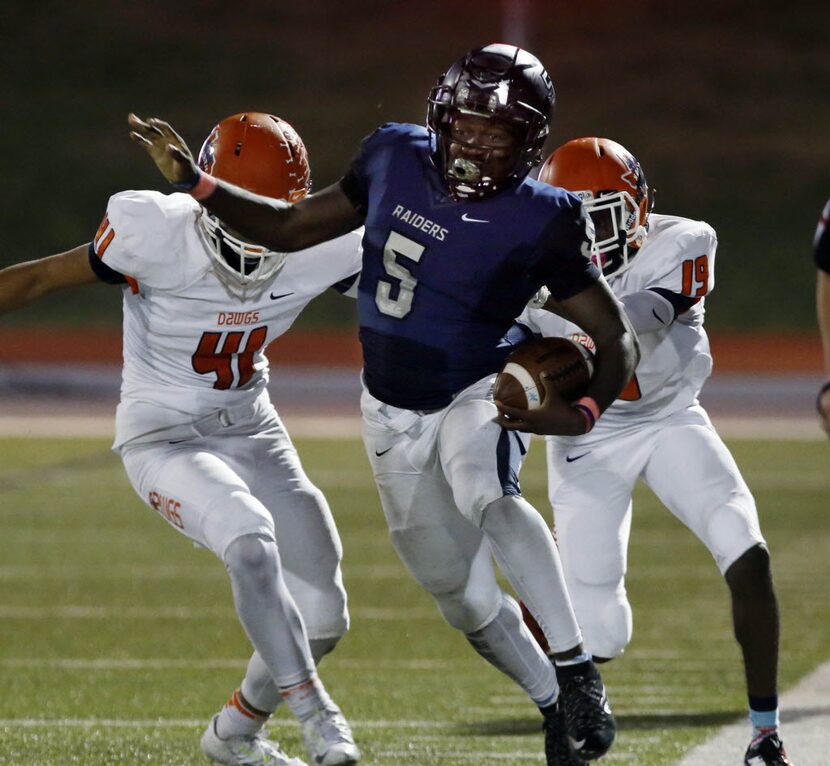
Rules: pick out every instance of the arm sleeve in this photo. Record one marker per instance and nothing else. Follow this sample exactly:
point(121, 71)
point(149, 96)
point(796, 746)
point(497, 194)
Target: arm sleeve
point(821, 241)
point(655, 309)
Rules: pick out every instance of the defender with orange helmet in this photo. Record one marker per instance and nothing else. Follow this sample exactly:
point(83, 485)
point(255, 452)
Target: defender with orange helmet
point(200, 440)
point(661, 268)
point(612, 186)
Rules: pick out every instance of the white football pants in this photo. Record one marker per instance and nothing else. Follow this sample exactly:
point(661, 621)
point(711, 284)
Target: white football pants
point(687, 465)
point(448, 484)
point(246, 481)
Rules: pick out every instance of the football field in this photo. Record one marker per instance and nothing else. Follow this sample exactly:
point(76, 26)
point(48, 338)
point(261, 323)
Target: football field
point(118, 639)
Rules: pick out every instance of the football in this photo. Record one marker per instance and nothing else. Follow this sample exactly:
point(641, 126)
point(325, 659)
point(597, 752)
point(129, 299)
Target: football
point(568, 365)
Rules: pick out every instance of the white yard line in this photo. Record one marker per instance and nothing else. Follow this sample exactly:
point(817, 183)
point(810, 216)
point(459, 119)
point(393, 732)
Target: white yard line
point(100, 425)
point(213, 663)
point(84, 612)
point(805, 723)
point(805, 717)
point(187, 723)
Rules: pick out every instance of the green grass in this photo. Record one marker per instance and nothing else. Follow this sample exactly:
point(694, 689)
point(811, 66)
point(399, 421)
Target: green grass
point(118, 640)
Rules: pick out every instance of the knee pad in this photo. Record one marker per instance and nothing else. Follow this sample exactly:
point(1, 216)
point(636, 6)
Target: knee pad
point(467, 611)
point(605, 619)
point(455, 569)
point(465, 600)
point(325, 615)
point(320, 647)
point(731, 530)
point(471, 603)
point(252, 557)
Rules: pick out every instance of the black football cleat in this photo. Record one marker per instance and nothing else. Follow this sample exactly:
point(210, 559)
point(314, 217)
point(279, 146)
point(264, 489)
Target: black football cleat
point(767, 750)
point(557, 748)
point(588, 720)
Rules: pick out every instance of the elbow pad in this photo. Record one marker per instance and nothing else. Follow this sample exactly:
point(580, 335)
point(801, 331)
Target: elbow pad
point(649, 311)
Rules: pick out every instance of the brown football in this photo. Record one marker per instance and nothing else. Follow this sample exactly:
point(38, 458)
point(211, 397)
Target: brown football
point(568, 365)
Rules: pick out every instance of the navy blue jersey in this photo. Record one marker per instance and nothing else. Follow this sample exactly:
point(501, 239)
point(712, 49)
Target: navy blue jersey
point(443, 280)
point(821, 253)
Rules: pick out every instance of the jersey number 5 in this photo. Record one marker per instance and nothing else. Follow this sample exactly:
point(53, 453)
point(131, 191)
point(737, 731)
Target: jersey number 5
point(398, 245)
point(210, 356)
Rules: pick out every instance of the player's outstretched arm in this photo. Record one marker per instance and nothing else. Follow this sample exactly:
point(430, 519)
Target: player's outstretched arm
point(24, 283)
point(278, 225)
point(617, 352)
point(823, 316)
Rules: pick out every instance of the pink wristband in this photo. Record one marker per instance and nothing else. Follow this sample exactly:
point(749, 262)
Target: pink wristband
point(204, 187)
point(590, 411)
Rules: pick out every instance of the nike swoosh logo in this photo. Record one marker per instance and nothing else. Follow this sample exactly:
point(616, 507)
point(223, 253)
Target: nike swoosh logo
point(281, 295)
point(465, 217)
point(382, 452)
point(570, 459)
point(657, 317)
point(577, 744)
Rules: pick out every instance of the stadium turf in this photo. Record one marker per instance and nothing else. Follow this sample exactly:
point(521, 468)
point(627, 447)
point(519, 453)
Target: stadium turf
point(118, 640)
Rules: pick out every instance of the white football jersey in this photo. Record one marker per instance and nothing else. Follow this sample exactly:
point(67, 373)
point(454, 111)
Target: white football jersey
point(678, 255)
point(190, 347)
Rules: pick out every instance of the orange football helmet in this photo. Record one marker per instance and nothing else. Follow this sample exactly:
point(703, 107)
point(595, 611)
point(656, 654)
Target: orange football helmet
point(265, 155)
point(612, 186)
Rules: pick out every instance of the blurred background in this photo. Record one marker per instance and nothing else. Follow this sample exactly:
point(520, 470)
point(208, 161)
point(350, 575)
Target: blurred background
point(726, 104)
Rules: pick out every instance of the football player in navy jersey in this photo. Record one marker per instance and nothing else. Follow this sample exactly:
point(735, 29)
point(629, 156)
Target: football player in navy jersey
point(822, 258)
point(457, 240)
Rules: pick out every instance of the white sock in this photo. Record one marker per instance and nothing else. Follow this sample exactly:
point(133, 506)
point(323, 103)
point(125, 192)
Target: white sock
point(306, 698)
point(238, 717)
point(578, 660)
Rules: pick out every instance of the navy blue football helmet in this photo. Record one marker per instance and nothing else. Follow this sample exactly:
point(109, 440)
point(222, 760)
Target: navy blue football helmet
point(498, 82)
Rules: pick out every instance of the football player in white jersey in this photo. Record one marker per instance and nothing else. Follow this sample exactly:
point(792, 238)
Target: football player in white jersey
point(199, 438)
point(821, 255)
point(660, 267)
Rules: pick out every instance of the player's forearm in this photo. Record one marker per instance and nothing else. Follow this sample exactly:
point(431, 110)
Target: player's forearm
point(616, 359)
point(20, 285)
point(279, 225)
point(599, 314)
point(24, 283)
point(262, 220)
